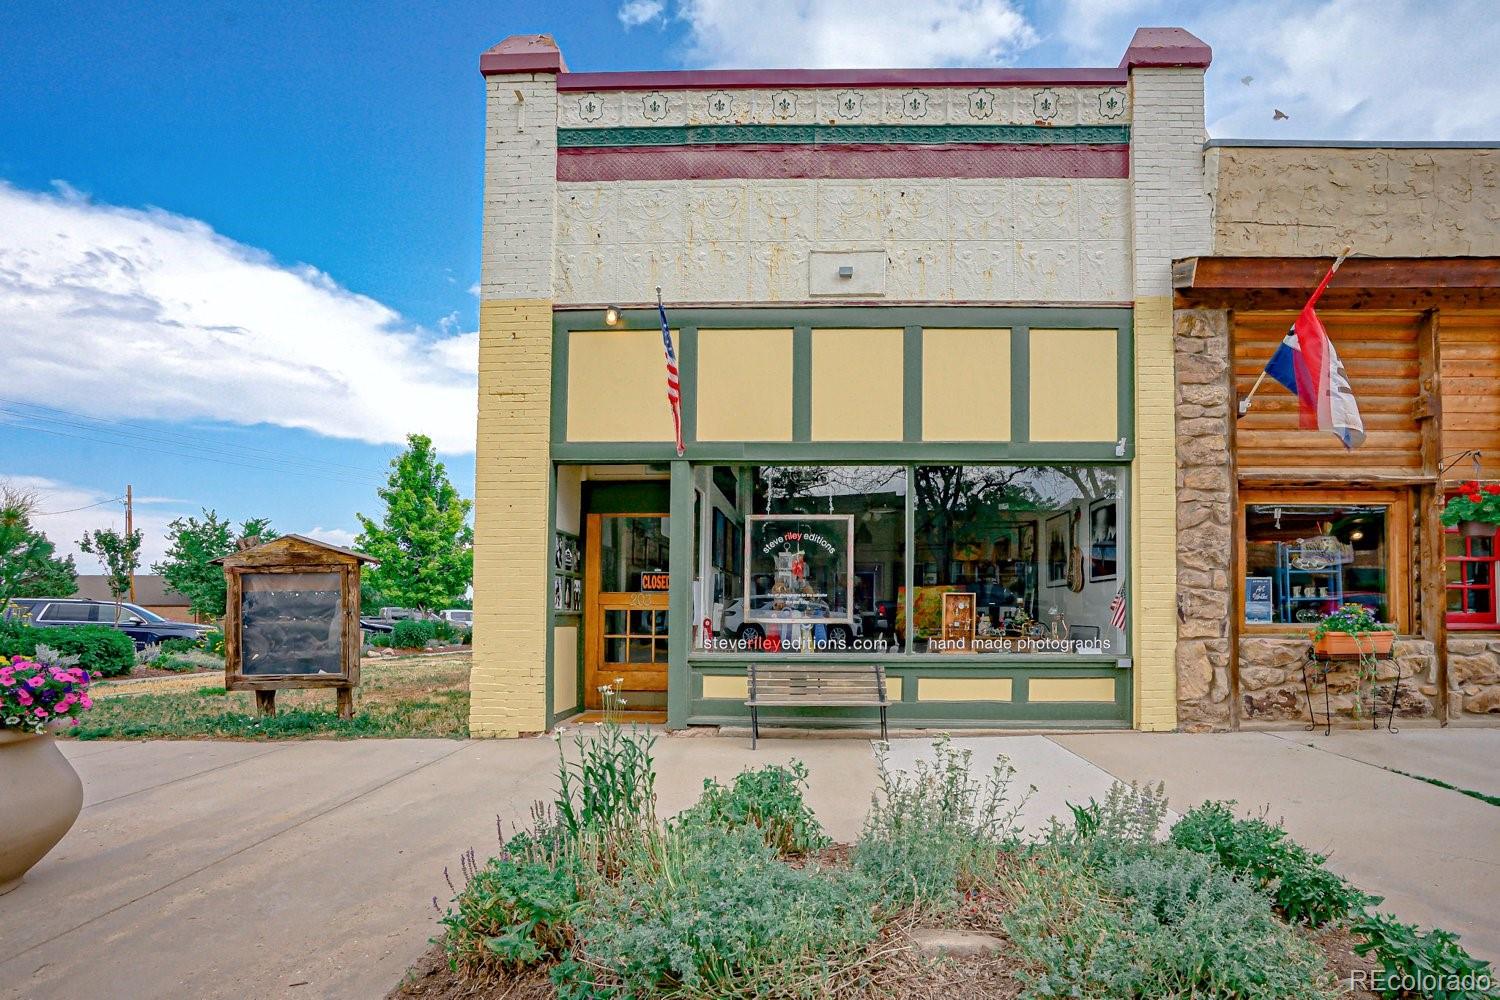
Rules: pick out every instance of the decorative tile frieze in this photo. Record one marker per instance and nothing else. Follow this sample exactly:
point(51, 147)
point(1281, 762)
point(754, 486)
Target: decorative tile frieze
point(991, 105)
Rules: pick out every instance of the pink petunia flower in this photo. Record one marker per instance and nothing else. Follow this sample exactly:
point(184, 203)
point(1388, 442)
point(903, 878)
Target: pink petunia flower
point(36, 681)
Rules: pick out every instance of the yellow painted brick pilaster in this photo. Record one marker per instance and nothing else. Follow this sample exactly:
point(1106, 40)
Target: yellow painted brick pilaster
point(1153, 528)
point(508, 683)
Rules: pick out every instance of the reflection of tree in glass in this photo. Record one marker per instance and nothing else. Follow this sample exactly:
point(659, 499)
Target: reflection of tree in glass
point(811, 489)
point(965, 505)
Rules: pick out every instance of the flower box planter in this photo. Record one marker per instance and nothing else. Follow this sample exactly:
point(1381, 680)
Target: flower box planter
point(1477, 529)
point(1342, 645)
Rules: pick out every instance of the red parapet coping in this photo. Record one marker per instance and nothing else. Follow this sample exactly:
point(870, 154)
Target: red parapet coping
point(853, 161)
point(1166, 47)
point(523, 54)
point(732, 79)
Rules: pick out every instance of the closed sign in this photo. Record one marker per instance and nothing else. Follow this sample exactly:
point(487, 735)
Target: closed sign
point(655, 581)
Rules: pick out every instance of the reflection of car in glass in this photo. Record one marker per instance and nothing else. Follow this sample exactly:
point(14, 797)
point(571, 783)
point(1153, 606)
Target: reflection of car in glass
point(839, 632)
point(458, 616)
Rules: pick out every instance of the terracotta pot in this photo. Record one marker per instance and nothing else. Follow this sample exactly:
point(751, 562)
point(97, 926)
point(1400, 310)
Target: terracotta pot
point(1477, 529)
point(40, 798)
point(1345, 644)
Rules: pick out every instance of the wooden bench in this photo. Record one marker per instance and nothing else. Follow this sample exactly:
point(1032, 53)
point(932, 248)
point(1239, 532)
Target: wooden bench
point(795, 686)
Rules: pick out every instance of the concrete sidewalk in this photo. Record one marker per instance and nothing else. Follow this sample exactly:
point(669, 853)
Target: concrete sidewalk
point(203, 869)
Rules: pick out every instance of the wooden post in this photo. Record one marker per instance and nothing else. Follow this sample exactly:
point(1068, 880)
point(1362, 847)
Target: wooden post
point(1432, 557)
point(346, 703)
point(265, 703)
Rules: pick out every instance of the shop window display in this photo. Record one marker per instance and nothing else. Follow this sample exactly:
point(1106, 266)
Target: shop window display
point(1303, 561)
point(809, 561)
point(1017, 559)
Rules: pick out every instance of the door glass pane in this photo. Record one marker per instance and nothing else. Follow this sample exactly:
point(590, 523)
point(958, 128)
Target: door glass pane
point(1479, 602)
point(659, 624)
point(640, 650)
point(614, 650)
point(1482, 548)
point(632, 554)
point(614, 622)
point(1477, 573)
point(1455, 571)
point(1453, 545)
point(640, 622)
point(1455, 600)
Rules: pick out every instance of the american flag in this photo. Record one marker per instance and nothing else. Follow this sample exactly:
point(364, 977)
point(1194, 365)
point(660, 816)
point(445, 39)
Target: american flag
point(1117, 608)
point(674, 385)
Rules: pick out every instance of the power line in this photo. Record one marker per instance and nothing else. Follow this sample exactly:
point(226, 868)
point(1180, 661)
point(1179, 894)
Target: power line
point(73, 510)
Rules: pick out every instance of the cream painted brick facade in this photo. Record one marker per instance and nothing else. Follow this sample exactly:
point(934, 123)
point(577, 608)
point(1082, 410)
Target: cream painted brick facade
point(1171, 218)
point(512, 551)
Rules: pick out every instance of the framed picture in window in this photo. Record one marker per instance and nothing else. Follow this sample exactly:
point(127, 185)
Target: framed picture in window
point(1103, 532)
point(1059, 540)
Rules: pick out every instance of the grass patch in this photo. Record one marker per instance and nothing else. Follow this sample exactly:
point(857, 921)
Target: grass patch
point(414, 696)
point(1492, 800)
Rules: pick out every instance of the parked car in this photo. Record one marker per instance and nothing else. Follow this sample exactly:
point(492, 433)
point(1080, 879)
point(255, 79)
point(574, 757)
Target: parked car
point(146, 628)
point(839, 632)
point(462, 617)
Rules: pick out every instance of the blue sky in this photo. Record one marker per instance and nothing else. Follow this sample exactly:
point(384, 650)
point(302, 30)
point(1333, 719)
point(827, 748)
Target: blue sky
point(239, 246)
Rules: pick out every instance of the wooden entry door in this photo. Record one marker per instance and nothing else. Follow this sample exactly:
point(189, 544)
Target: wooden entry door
point(625, 608)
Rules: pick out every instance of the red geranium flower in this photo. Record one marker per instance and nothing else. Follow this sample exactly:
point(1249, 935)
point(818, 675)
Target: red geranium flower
point(1474, 498)
point(1492, 489)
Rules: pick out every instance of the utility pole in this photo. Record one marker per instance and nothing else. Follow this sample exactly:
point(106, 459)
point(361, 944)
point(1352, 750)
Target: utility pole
point(129, 530)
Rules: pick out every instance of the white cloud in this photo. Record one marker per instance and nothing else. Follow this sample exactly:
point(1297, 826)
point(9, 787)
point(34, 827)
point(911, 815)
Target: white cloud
point(58, 517)
point(634, 13)
point(341, 537)
point(1341, 69)
point(854, 33)
point(118, 312)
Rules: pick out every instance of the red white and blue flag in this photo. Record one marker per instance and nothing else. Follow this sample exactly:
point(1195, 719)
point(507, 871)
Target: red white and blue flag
point(1117, 609)
point(1307, 365)
point(674, 384)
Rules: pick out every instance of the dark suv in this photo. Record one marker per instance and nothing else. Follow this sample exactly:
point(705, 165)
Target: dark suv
point(145, 627)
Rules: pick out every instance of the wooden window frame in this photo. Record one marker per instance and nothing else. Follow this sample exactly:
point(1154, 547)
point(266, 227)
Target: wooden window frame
point(1465, 621)
point(1398, 541)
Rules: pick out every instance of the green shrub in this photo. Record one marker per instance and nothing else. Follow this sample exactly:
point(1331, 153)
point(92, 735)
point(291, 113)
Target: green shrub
point(380, 640)
point(179, 645)
point(1125, 822)
point(769, 799)
point(932, 830)
point(1302, 889)
point(101, 650)
point(467, 638)
point(515, 911)
point(213, 642)
point(1416, 964)
point(442, 629)
point(1159, 921)
point(409, 633)
point(713, 912)
point(606, 795)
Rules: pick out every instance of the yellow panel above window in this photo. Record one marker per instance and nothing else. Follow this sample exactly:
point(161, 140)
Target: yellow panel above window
point(1075, 385)
point(617, 386)
point(744, 385)
point(856, 385)
point(965, 385)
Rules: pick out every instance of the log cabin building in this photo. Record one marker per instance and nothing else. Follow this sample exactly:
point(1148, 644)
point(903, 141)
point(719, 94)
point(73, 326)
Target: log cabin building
point(1415, 317)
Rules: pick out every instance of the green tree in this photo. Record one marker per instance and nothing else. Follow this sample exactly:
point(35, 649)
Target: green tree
point(29, 566)
point(120, 555)
point(423, 541)
point(193, 545)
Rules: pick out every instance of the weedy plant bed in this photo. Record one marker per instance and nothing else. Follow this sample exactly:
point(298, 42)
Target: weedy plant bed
point(742, 895)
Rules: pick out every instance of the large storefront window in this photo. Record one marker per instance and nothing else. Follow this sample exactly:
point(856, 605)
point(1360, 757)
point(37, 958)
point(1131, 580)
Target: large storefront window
point(1017, 559)
point(1304, 560)
point(809, 560)
point(1008, 560)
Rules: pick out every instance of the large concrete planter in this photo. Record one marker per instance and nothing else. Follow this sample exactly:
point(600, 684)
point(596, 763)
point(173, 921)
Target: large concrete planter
point(40, 798)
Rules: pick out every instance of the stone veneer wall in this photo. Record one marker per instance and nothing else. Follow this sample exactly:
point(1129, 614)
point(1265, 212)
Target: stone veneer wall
point(1204, 518)
point(1272, 690)
point(1474, 674)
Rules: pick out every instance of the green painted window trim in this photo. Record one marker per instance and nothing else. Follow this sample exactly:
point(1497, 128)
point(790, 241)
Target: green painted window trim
point(802, 320)
point(714, 135)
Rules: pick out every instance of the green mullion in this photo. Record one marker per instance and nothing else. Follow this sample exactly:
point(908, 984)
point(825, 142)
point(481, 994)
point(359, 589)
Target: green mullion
point(687, 380)
point(680, 596)
point(559, 401)
point(802, 383)
point(910, 562)
point(911, 380)
point(692, 135)
point(1126, 380)
point(1020, 384)
point(551, 615)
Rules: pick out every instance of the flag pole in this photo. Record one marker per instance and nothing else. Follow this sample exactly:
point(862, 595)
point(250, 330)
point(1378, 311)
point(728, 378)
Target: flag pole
point(1338, 262)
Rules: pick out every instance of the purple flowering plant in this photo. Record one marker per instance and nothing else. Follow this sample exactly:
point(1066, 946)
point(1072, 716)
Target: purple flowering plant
point(41, 690)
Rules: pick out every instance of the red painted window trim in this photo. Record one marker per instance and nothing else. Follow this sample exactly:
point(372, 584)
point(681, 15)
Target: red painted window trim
point(1467, 620)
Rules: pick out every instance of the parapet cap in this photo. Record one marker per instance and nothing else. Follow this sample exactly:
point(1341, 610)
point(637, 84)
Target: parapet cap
point(1166, 47)
point(523, 54)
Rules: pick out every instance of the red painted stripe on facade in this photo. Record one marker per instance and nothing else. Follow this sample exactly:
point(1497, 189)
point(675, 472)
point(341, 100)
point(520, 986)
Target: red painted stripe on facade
point(730, 79)
point(671, 163)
